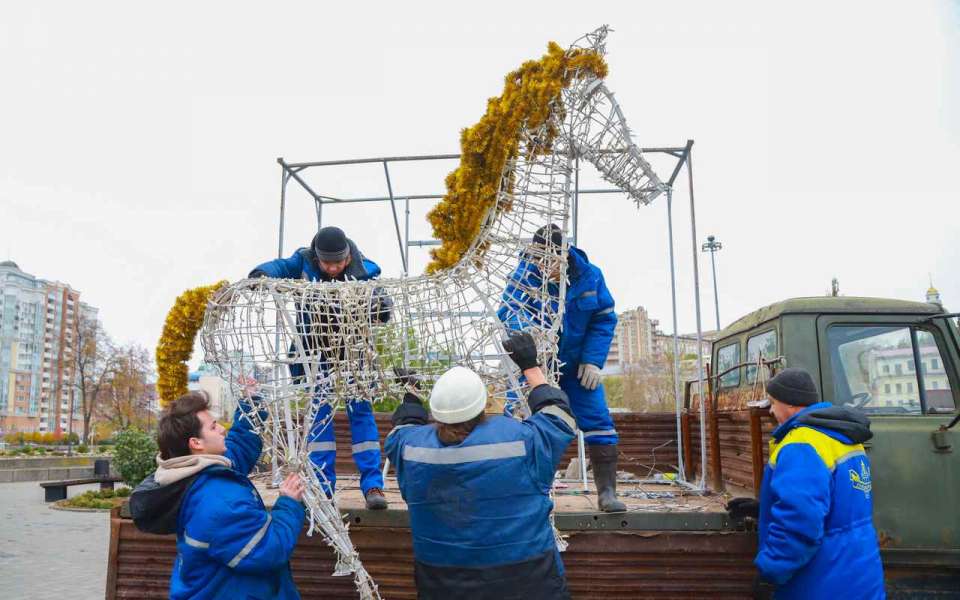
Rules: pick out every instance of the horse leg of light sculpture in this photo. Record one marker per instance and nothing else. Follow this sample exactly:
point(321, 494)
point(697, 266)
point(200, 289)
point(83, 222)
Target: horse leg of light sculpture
point(323, 510)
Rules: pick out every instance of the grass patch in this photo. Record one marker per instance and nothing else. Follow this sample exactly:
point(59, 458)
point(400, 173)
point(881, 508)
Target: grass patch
point(98, 499)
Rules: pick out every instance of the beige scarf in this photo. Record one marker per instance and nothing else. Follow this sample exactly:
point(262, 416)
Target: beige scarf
point(181, 467)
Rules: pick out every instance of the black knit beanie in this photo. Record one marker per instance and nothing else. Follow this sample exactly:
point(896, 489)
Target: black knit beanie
point(794, 387)
point(551, 230)
point(330, 244)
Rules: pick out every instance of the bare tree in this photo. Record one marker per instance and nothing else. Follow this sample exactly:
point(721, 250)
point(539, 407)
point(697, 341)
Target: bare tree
point(128, 394)
point(647, 385)
point(95, 360)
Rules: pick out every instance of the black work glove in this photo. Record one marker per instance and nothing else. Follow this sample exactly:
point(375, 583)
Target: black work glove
point(381, 305)
point(522, 350)
point(410, 412)
point(255, 274)
point(741, 508)
point(408, 377)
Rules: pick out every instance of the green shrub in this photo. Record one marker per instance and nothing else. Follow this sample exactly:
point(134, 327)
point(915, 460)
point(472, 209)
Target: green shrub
point(134, 455)
point(123, 492)
point(83, 449)
point(91, 499)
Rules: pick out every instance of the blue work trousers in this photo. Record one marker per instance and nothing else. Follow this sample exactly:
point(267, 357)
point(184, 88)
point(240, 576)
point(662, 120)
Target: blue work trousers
point(364, 438)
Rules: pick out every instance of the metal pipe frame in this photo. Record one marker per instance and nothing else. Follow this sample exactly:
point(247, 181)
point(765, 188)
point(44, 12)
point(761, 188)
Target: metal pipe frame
point(683, 154)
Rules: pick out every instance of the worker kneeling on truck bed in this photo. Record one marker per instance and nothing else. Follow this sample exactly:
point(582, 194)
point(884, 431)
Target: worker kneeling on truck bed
point(817, 538)
point(478, 487)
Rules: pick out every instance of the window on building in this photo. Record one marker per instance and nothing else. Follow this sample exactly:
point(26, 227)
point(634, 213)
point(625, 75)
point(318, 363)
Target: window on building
point(909, 387)
point(728, 357)
point(886, 369)
point(898, 368)
point(763, 344)
point(934, 364)
point(935, 384)
point(899, 388)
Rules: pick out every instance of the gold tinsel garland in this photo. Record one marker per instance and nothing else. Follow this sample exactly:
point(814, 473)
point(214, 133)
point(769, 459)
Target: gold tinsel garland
point(176, 342)
point(528, 95)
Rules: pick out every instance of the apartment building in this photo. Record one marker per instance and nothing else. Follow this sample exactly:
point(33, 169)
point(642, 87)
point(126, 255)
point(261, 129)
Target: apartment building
point(38, 338)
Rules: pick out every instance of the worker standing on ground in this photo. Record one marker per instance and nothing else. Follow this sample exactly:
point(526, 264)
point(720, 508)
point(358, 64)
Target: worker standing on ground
point(816, 534)
point(478, 487)
point(588, 326)
point(333, 257)
point(228, 544)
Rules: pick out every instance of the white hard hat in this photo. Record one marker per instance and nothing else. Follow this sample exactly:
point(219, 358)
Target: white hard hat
point(458, 396)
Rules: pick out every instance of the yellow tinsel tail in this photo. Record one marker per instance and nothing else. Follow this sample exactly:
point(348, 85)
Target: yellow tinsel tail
point(176, 343)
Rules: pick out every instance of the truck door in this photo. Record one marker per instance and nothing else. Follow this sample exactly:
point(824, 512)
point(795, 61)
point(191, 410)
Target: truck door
point(902, 371)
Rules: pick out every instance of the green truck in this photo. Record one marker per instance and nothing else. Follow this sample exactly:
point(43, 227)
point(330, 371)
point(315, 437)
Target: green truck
point(897, 361)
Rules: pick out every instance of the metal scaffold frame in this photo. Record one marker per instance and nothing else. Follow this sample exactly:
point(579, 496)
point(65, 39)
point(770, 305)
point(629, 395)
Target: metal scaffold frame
point(684, 158)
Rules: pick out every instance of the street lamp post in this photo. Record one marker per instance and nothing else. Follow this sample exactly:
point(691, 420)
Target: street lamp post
point(713, 245)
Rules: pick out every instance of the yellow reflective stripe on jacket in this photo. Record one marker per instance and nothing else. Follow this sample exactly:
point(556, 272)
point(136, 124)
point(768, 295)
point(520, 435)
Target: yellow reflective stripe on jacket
point(829, 450)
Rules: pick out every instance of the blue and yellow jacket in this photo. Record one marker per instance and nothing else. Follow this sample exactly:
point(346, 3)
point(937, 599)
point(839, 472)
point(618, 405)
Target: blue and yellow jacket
point(589, 319)
point(816, 509)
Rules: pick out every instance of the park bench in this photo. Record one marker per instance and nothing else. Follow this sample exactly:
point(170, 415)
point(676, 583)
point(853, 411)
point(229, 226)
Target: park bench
point(57, 490)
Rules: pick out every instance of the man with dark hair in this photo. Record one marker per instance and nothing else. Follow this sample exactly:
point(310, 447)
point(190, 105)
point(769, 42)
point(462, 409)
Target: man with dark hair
point(587, 331)
point(334, 257)
point(228, 544)
point(816, 534)
point(460, 475)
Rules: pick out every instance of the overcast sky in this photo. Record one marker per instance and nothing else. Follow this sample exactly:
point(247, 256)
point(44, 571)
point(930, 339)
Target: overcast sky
point(139, 143)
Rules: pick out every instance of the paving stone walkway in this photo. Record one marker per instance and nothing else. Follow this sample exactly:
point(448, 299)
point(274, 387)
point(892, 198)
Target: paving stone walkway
point(50, 554)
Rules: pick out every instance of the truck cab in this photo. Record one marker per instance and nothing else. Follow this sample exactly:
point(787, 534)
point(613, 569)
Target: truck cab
point(897, 361)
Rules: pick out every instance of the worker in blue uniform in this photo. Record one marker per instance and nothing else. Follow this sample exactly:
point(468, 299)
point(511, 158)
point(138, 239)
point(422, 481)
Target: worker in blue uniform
point(333, 257)
point(478, 487)
point(816, 533)
point(588, 326)
point(228, 544)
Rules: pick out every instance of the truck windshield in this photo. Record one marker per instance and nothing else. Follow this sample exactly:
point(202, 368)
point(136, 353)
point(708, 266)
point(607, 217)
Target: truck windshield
point(875, 368)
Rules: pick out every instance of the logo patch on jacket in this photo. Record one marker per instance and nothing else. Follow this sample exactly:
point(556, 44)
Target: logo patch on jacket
point(861, 481)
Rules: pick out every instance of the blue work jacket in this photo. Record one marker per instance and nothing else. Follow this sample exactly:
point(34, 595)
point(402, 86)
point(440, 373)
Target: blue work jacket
point(816, 536)
point(589, 319)
point(228, 544)
point(480, 510)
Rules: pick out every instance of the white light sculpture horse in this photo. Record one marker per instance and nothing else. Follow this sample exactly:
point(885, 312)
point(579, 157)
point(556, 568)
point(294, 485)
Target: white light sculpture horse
point(261, 327)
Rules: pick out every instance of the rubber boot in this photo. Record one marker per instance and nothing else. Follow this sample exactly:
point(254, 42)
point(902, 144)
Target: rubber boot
point(375, 499)
point(604, 461)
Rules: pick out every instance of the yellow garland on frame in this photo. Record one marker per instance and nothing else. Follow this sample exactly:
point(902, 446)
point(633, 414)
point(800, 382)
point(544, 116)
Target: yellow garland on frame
point(176, 342)
point(528, 95)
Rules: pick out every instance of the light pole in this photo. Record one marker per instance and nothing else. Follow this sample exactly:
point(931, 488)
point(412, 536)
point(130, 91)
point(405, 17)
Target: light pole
point(713, 245)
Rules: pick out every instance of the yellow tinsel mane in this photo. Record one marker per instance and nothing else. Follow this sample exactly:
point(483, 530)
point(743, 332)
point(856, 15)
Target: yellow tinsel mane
point(176, 342)
point(529, 93)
